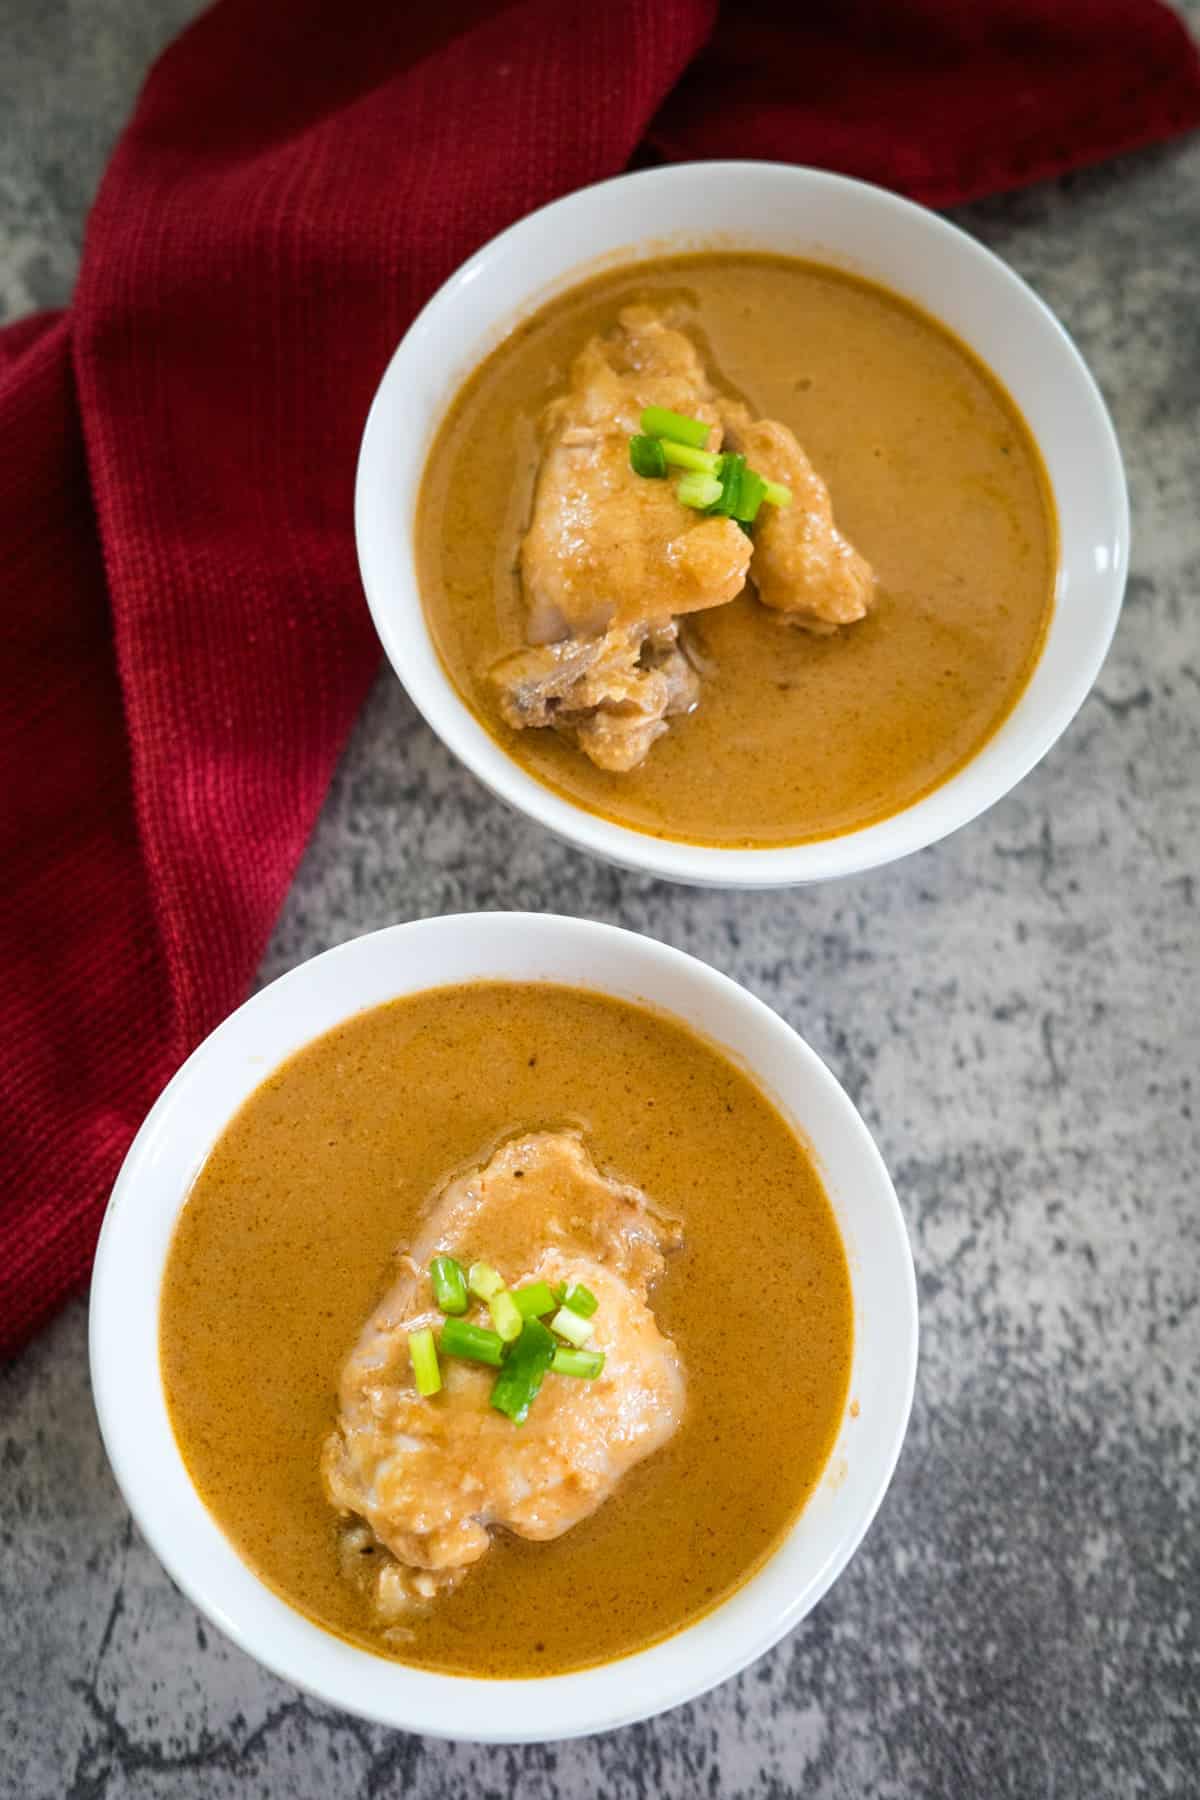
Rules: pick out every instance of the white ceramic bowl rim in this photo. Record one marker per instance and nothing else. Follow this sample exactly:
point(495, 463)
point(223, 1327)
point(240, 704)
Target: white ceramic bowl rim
point(798, 211)
point(171, 1147)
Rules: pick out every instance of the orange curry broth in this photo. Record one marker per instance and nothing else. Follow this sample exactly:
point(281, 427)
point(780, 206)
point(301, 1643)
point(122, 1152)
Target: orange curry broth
point(287, 1241)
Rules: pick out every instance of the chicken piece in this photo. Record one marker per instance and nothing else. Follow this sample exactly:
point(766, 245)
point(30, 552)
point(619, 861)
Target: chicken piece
point(422, 1483)
point(803, 568)
point(613, 694)
point(604, 546)
point(612, 561)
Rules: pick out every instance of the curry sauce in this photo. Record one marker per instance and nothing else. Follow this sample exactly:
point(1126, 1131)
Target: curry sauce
point(289, 1237)
point(934, 477)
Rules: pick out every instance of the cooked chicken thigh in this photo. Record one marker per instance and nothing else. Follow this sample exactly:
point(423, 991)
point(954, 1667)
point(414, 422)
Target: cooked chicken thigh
point(604, 546)
point(611, 562)
point(427, 1480)
point(802, 567)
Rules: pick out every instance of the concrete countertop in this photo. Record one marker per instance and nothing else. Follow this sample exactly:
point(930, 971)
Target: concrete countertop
point(1017, 1013)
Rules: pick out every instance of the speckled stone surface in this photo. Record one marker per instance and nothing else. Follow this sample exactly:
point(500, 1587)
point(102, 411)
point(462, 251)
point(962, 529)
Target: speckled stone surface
point(1016, 1013)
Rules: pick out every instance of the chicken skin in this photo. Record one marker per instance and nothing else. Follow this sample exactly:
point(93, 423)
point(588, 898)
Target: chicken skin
point(612, 562)
point(604, 546)
point(426, 1482)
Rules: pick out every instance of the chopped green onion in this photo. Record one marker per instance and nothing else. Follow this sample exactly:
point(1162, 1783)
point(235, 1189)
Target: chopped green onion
point(661, 422)
point(699, 490)
point(483, 1280)
point(752, 491)
point(474, 1343)
point(585, 1365)
point(730, 476)
point(682, 456)
point(777, 494)
point(449, 1284)
point(569, 1325)
point(536, 1299)
point(581, 1300)
point(506, 1315)
point(646, 457)
point(426, 1373)
point(516, 1387)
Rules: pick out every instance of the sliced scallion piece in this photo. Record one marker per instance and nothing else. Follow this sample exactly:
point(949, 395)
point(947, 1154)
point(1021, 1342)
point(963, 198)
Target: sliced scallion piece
point(646, 457)
point(506, 1315)
point(473, 1343)
point(699, 490)
point(580, 1299)
point(483, 1280)
point(777, 494)
point(752, 491)
point(682, 456)
point(661, 422)
point(585, 1365)
point(516, 1387)
point(449, 1284)
point(535, 1299)
point(569, 1325)
point(421, 1350)
point(729, 474)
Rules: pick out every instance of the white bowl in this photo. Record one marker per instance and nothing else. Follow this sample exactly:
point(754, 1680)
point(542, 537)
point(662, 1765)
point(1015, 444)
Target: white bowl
point(178, 1135)
point(803, 212)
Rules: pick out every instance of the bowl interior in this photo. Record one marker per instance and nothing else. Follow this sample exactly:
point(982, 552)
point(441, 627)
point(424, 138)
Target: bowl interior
point(799, 212)
point(173, 1144)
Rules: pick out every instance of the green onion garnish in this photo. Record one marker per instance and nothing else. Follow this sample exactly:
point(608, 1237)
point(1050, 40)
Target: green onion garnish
point(426, 1373)
point(506, 1316)
point(483, 1280)
point(661, 422)
point(730, 476)
point(585, 1365)
point(699, 490)
point(581, 1300)
point(569, 1325)
point(536, 1299)
point(752, 491)
point(516, 1387)
point(682, 456)
point(449, 1284)
point(646, 457)
point(733, 491)
point(474, 1343)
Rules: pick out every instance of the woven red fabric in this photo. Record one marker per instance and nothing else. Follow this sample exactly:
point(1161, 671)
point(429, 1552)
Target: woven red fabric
point(185, 642)
point(945, 100)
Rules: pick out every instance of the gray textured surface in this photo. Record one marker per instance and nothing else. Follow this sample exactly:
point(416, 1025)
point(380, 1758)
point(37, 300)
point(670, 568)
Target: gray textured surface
point(1016, 1013)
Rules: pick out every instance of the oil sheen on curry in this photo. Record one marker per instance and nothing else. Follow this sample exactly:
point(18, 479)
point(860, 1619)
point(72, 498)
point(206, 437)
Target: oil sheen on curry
point(788, 614)
point(506, 1329)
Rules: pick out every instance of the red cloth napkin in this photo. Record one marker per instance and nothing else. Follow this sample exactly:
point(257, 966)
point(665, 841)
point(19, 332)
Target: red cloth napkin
point(186, 644)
